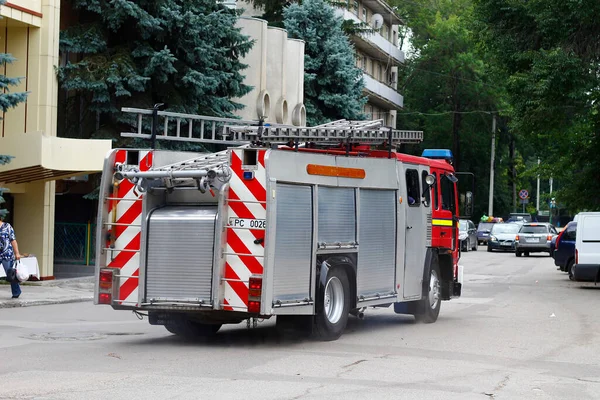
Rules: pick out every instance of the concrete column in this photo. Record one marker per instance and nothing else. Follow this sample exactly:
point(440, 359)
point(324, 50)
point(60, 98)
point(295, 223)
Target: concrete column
point(34, 224)
point(48, 60)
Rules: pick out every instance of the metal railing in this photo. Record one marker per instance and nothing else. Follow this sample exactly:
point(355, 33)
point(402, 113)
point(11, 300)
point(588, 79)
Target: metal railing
point(74, 243)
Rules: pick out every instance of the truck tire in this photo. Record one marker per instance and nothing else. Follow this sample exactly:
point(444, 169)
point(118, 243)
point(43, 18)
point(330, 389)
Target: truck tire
point(428, 308)
point(334, 305)
point(191, 329)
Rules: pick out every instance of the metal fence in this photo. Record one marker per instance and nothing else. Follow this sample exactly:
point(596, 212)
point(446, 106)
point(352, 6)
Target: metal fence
point(74, 243)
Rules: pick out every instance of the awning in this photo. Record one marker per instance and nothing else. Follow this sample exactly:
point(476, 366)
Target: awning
point(38, 157)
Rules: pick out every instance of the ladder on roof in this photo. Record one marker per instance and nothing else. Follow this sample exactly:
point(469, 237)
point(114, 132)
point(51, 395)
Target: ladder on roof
point(211, 170)
point(230, 131)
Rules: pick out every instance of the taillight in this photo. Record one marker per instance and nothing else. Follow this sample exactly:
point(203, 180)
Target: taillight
point(549, 237)
point(576, 257)
point(105, 286)
point(254, 294)
point(105, 281)
point(104, 298)
point(254, 307)
point(558, 239)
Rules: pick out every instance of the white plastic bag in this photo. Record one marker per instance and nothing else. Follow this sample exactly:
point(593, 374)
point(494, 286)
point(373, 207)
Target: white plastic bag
point(22, 273)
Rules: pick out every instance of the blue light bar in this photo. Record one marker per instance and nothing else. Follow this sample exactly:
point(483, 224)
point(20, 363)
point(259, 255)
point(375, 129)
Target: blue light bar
point(437, 154)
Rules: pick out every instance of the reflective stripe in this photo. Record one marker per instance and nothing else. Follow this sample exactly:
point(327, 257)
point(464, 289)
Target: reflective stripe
point(442, 222)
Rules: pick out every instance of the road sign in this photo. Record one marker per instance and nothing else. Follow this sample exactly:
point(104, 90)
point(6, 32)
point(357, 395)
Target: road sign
point(523, 194)
point(524, 201)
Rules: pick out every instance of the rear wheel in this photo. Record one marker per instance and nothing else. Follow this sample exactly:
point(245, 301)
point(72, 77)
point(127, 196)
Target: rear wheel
point(569, 268)
point(428, 308)
point(191, 329)
point(518, 253)
point(526, 254)
point(489, 249)
point(334, 306)
point(475, 246)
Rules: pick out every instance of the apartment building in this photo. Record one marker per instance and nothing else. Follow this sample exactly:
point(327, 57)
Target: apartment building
point(378, 55)
point(29, 30)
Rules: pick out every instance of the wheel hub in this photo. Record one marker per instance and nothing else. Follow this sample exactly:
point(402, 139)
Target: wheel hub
point(434, 290)
point(333, 301)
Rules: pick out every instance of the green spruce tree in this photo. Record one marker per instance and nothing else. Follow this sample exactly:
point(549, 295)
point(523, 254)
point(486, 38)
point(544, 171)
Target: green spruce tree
point(333, 84)
point(136, 53)
point(8, 100)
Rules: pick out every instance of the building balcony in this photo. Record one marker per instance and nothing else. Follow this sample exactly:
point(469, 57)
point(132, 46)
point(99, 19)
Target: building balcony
point(372, 43)
point(38, 157)
point(382, 94)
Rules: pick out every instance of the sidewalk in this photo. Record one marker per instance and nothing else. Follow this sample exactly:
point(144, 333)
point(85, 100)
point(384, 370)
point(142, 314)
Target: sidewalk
point(37, 293)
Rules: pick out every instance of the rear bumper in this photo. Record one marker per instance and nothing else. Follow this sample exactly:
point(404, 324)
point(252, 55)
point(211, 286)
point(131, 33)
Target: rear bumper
point(534, 247)
point(585, 272)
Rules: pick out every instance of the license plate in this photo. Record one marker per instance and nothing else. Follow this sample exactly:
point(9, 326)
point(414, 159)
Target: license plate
point(247, 223)
point(505, 244)
point(532, 240)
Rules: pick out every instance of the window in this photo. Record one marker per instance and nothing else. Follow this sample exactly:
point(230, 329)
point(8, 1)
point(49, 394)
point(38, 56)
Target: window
point(534, 229)
point(354, 7)
point(364, 14)
point(412, 187)
point(426, 190)
point(447, 193)
point(364, 63)
point(570, 234)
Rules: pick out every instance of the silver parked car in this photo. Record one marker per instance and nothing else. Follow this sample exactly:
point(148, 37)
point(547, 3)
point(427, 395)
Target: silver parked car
point(535, 238)
point(502, 237)
point(467, 235)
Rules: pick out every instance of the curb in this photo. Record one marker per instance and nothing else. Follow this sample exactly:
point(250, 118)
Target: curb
point(31, 303)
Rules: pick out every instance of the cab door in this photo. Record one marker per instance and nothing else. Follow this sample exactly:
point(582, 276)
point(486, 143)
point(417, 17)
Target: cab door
point(416, 228)
point(443, 221)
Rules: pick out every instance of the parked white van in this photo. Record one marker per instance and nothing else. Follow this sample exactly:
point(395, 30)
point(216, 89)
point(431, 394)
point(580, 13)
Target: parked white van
point(587, 247)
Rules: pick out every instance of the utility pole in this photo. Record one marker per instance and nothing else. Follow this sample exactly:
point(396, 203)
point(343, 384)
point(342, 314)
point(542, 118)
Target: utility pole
point(537, 200)
point(491, 199)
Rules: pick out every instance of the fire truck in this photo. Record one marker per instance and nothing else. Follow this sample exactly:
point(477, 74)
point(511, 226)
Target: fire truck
point(308, 225)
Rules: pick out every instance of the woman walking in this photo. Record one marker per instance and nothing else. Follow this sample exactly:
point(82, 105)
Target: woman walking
point(9, 251)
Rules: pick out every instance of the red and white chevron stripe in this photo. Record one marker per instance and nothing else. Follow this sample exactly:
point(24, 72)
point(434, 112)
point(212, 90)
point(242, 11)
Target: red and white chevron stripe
point(243, 257)
point(128, 210)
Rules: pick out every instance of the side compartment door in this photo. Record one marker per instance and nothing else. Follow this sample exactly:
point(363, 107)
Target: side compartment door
point(415, 232)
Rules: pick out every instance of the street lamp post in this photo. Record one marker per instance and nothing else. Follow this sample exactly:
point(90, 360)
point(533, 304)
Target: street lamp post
point(491, 197)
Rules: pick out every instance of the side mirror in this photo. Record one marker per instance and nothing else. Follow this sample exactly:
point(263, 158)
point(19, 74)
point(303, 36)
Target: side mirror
point(466, 188)
point(469, 204)
point(429, 181)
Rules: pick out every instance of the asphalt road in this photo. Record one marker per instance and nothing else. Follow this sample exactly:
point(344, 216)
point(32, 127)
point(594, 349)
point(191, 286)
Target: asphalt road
point(520, 331)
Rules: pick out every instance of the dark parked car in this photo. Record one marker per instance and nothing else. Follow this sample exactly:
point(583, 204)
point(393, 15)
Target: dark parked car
point(534, 237)
point(467, 234)
point(502, 237)
point(483, 232)
point(564, 248)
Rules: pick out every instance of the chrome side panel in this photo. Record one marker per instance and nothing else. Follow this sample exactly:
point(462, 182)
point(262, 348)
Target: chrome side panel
point(179, 262)
point(337, 215)
point(293, 244)
point(377, 241)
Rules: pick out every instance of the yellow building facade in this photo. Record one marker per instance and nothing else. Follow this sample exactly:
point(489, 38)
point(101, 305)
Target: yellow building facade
point(29, 30)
